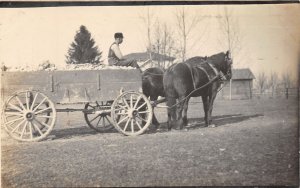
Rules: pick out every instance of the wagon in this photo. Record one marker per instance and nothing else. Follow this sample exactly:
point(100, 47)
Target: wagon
point(110, 98)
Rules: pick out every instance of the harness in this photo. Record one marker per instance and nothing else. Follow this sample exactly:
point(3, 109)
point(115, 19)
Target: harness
point(209, 77)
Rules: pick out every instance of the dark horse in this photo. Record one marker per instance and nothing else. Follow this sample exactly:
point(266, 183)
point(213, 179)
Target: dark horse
point(198, 76)
point(152, 84)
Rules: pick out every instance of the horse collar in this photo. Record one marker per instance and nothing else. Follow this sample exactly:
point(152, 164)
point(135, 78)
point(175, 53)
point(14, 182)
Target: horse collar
point(213, 68)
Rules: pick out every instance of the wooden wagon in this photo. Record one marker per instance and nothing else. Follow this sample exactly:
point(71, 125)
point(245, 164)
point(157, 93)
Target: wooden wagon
point(110, 98)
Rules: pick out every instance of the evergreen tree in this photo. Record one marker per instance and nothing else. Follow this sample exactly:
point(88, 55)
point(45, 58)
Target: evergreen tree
point(83, 49)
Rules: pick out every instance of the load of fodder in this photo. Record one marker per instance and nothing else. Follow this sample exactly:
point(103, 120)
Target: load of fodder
point(47, 66)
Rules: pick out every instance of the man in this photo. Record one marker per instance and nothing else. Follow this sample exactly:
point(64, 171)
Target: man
point(115, 56)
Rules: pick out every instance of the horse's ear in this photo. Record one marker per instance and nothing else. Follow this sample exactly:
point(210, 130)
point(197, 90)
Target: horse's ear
point(228, 54)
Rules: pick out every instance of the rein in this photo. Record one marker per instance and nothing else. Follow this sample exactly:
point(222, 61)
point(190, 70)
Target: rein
point(220, 76)
point(199, 88)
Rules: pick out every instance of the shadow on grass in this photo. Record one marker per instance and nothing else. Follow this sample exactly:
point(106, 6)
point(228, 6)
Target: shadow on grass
point(78, 131)
point(195, 123)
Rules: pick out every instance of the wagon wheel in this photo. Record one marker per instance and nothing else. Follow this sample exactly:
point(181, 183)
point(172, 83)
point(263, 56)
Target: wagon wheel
point(29, 116)
point(131, 113)
point(100, 121)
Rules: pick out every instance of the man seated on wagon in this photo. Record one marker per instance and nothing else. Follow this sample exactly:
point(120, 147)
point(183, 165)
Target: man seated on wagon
point(115, 56)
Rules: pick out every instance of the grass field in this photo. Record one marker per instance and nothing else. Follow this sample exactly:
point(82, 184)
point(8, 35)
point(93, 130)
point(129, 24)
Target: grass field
point(255, 142)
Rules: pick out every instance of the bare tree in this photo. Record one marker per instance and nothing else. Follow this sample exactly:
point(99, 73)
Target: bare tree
point(148, 21)
point(230, 30)
point(163, 41)
point(286, 80)
point(262, 82)
point(186, 22)
point(273, 82)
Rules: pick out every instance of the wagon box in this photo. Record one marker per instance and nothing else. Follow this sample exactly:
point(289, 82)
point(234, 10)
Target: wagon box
point(112, 99)
point(76, 86)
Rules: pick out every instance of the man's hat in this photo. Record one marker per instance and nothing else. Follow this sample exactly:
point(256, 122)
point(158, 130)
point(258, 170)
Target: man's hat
point(119, 35)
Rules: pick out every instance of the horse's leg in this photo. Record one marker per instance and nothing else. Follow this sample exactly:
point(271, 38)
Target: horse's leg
point(205, 107)
point(185, 108)
point(180, 105)
point(154, 120)
point(210, 106)
point(171, 101)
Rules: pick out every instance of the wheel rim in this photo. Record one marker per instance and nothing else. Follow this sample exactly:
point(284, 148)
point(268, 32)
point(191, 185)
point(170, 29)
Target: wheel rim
point(29, 116)
point(131, 113)
point(96, 120)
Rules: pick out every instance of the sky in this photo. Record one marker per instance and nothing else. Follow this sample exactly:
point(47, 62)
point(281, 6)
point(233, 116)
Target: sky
point(269, 34)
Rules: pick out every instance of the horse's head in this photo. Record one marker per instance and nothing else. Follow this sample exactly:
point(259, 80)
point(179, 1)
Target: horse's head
point(227, 65)
point(222, 61)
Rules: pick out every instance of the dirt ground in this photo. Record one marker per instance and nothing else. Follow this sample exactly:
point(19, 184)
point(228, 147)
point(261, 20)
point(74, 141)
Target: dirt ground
point(255, 142)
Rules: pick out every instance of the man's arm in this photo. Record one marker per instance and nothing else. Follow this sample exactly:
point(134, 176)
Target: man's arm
point(117, 51)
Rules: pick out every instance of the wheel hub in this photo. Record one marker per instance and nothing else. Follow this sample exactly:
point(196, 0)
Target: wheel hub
point(29, 116)
point(132, 113)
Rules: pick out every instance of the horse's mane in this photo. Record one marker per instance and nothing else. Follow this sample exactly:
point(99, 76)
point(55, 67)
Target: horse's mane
point(217, 58)
point(196, 59)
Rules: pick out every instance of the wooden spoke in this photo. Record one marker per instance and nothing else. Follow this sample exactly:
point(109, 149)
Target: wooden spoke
point(103, 121)
point(30, 130)
point(30, 101)
point(142, 105)
point(37, 128)
point(98, 121)
point(108, 119)
point(134, 101)
point(125, 102)
point(95, 118)
point(17, 126)
point(21, 104)
point(138, 124)
point(123, 120)
point(45, 116)
point(39, 104)
point(41, 123)
point(15, 107)
point(14, 120)
point(24, 128)
point(137, 101)
point(132, 126)
point(13, 113)
point(141, 118)
point(100, 125)
point(144, 112)
point(33, 101)
point(126, 125)
point(43, 110)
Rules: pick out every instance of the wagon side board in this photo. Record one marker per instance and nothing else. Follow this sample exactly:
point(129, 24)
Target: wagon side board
point(73, 86)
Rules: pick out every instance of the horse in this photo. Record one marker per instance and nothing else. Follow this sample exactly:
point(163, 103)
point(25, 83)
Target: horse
point(198, 76)
point(152, 85)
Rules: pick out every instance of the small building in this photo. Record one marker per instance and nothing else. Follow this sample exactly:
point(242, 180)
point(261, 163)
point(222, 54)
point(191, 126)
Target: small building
point(241, 85)
point(158, 60)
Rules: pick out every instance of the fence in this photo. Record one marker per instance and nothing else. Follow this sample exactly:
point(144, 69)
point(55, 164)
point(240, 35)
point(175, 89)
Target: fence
point(278, 93)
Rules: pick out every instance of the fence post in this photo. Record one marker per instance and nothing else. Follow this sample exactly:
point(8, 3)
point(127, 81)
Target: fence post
point(287, 93)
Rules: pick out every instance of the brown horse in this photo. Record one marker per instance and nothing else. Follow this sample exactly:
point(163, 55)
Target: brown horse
point(198, 76)
point(152, 84)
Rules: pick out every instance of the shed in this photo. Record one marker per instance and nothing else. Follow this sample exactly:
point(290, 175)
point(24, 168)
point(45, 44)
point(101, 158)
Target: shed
point(241, 85)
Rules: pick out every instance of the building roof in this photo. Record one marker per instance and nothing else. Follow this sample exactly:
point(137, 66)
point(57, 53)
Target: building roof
point(242, 74)
point(143, 56)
